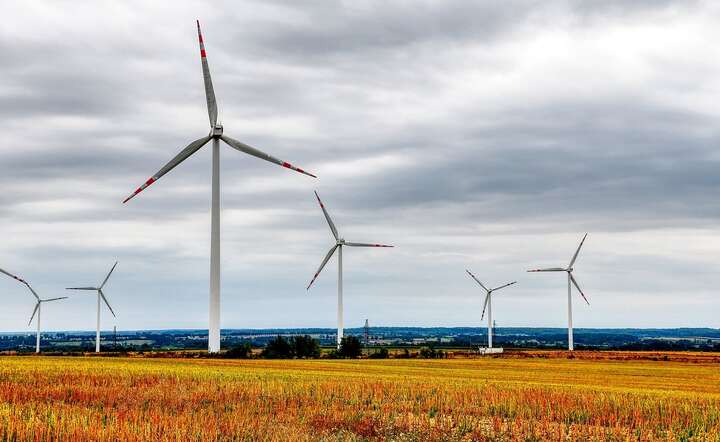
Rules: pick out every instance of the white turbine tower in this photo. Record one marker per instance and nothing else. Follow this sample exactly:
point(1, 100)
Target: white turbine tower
point(339, 243)
point(488, 304)
point(216, 134)
point(100, 294)
point(37, 305)
point(570, 280)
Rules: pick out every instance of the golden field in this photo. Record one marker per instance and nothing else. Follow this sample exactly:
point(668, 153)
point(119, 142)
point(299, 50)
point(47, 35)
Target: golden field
point(503, 399)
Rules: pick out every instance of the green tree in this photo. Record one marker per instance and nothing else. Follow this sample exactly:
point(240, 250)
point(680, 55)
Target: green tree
point(350, 347)
point(278, 348)
point(380, 354)
point(427, 353)
point(305, 347)
point(431, 353)
point(240, 351)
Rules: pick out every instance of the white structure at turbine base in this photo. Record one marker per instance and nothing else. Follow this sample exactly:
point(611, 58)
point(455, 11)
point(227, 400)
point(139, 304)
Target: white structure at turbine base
point(488, 304)
point(216, 134)
point(339, 243)
point(100, 295)
point(570, 280)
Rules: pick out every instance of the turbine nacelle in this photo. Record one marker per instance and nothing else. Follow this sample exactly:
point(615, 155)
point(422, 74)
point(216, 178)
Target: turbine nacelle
point(569, 270)
point(489, 292)
point(99, 291)
point(339, 242)
point(216, 133)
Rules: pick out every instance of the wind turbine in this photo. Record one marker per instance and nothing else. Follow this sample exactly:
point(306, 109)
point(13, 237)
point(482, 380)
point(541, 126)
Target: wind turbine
point(37, 305)
point(216, 134)
point(100, 294)
point(38, 309)
point(570, 279)
point(488, 304)
point(339, 243)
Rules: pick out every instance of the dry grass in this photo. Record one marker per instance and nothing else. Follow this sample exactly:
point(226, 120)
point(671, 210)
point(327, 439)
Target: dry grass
point(103, 399)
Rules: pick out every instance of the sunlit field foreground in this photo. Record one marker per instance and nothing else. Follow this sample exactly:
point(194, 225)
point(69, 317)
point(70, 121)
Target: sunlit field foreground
point(79, 399)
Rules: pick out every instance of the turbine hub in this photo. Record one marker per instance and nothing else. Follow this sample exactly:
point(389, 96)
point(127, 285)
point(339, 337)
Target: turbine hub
point(217, 130)
point(340, 241)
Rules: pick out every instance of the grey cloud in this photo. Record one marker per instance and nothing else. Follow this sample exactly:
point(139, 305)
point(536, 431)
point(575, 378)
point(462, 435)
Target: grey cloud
point(425, 128)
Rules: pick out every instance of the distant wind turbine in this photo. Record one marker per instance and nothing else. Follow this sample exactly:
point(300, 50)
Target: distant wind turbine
point(100, 294)
point(570, 279)
point(38, 310)
point(339, 243)
point(488, 304)
point(216, 134)
point(37, 305)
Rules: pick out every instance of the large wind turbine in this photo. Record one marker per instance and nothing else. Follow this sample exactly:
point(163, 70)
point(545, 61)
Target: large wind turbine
point(570, 279)
point(339, 243)
point(216, 134)
point(488, 304)
point(100, 295)
point(37, 305)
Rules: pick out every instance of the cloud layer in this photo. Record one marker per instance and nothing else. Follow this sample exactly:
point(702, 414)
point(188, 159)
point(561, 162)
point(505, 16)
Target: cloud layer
point(488, 136)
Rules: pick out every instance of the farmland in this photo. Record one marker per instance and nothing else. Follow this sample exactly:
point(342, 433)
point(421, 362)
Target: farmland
point(533, 398)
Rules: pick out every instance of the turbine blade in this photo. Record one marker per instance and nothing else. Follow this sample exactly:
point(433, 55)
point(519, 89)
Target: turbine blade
point(102, 295)
point(330, 222)
point(31, 289)
point(322, 265)
point(37, 306)
point(476, 280)
point(503, 286)
point(108, 275)
point(362, 244)
point(487, 297)
point(82, 288)
point(179, 158)
point(572, 261)
point(242, 147)
point(209, 91)
point(54, 299)
point(552, 269)
point(12, 276)
point(572, 278)
point(17, 278)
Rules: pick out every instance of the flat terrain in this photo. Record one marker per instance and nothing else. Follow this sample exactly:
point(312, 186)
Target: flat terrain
point(91, 398)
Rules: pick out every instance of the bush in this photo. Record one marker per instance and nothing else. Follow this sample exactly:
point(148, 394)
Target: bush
point(241, 351)
point(350, 347)
point(380, 354)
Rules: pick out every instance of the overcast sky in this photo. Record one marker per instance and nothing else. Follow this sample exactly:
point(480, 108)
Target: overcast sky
point(482, 135)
